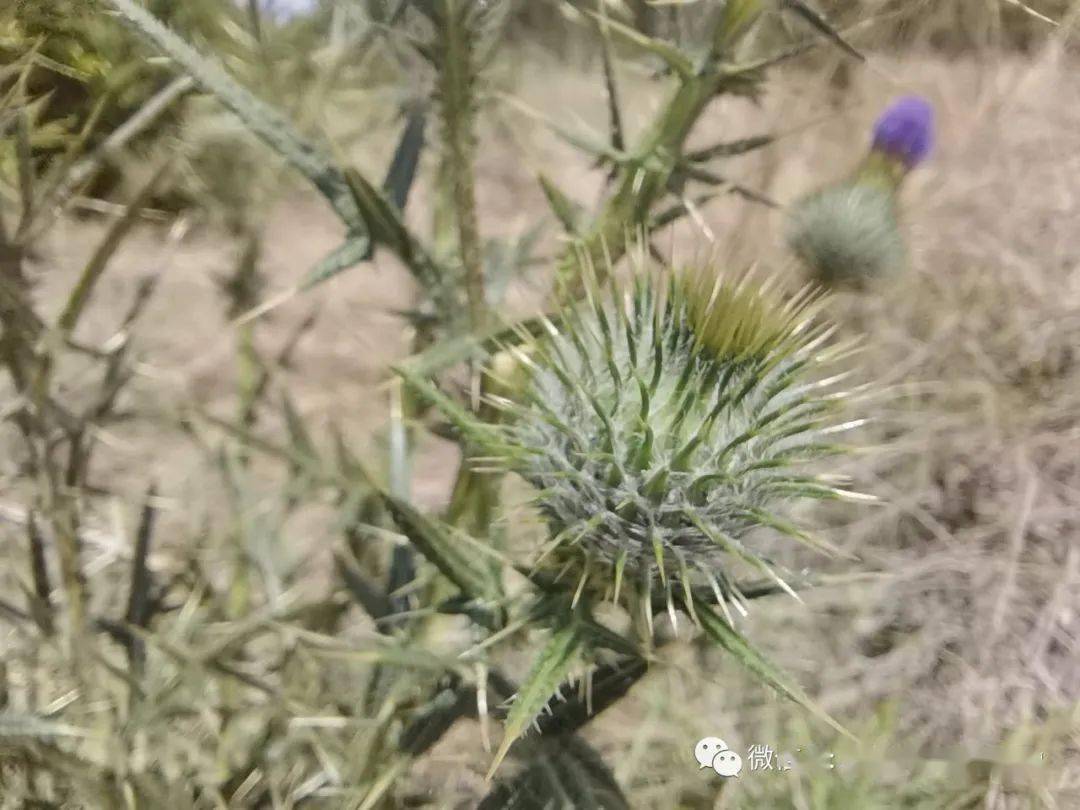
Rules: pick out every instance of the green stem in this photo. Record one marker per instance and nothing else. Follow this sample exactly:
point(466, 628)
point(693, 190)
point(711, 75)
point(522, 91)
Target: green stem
point(456, 87)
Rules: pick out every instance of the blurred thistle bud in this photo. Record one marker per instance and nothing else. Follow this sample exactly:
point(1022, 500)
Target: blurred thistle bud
point(662, 425)
point(849, 233)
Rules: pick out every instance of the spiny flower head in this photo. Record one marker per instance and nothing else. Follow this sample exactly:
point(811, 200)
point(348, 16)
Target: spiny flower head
point(662, 425)
point(849, 233)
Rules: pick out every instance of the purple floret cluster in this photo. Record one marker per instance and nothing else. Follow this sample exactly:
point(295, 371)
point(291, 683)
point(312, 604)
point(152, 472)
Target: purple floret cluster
point(906, 130)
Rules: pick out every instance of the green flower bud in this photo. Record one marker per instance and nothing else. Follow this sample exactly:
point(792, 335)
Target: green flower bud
point(661, 426)
point(849, 234)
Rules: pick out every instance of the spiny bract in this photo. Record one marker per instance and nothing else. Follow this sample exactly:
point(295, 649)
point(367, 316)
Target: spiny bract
point(662, 425)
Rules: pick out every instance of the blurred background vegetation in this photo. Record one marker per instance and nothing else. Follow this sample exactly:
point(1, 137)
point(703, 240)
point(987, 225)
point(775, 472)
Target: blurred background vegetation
point(199, 415)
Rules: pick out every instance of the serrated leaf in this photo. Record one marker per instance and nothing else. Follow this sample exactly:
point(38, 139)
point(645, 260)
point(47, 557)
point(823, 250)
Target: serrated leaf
point(607, 685)
point(549, 670)
point(726, 636)
point(451, 553)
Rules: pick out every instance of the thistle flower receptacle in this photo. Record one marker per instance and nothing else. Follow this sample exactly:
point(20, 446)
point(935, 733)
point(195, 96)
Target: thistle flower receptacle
point(849, 234)
point(663, 425)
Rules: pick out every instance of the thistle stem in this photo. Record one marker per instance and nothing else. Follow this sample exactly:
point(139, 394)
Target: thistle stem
point(456, 88)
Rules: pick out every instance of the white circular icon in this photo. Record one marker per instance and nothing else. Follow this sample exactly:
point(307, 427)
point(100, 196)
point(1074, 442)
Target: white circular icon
point(727, 763)
point(707, 749)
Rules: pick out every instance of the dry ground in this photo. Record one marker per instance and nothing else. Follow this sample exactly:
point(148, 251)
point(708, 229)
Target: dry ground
point(975, 629)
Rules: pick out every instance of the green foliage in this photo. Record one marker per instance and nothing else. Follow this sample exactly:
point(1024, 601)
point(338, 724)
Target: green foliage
point(668, 427)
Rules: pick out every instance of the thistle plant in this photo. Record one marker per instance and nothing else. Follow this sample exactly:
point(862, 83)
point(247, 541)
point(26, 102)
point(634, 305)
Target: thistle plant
point(850, 233)
point(662, 427)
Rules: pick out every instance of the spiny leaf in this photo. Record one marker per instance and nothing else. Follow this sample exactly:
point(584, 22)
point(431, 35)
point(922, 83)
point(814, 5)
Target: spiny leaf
point(818, 22)
point(726, 636)
point(362, 588)
point(563, 772)
point(259, 117)
point(570, 215)
point(551, 667)
point(670, 54)
point(436, 718)
point(449, 552)
point(396, 186)
point(383, 222)
point(730, 148)
point(607, 685)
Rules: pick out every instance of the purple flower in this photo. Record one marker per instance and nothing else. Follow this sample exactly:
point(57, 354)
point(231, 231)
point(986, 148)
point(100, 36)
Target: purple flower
point(906, 130)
